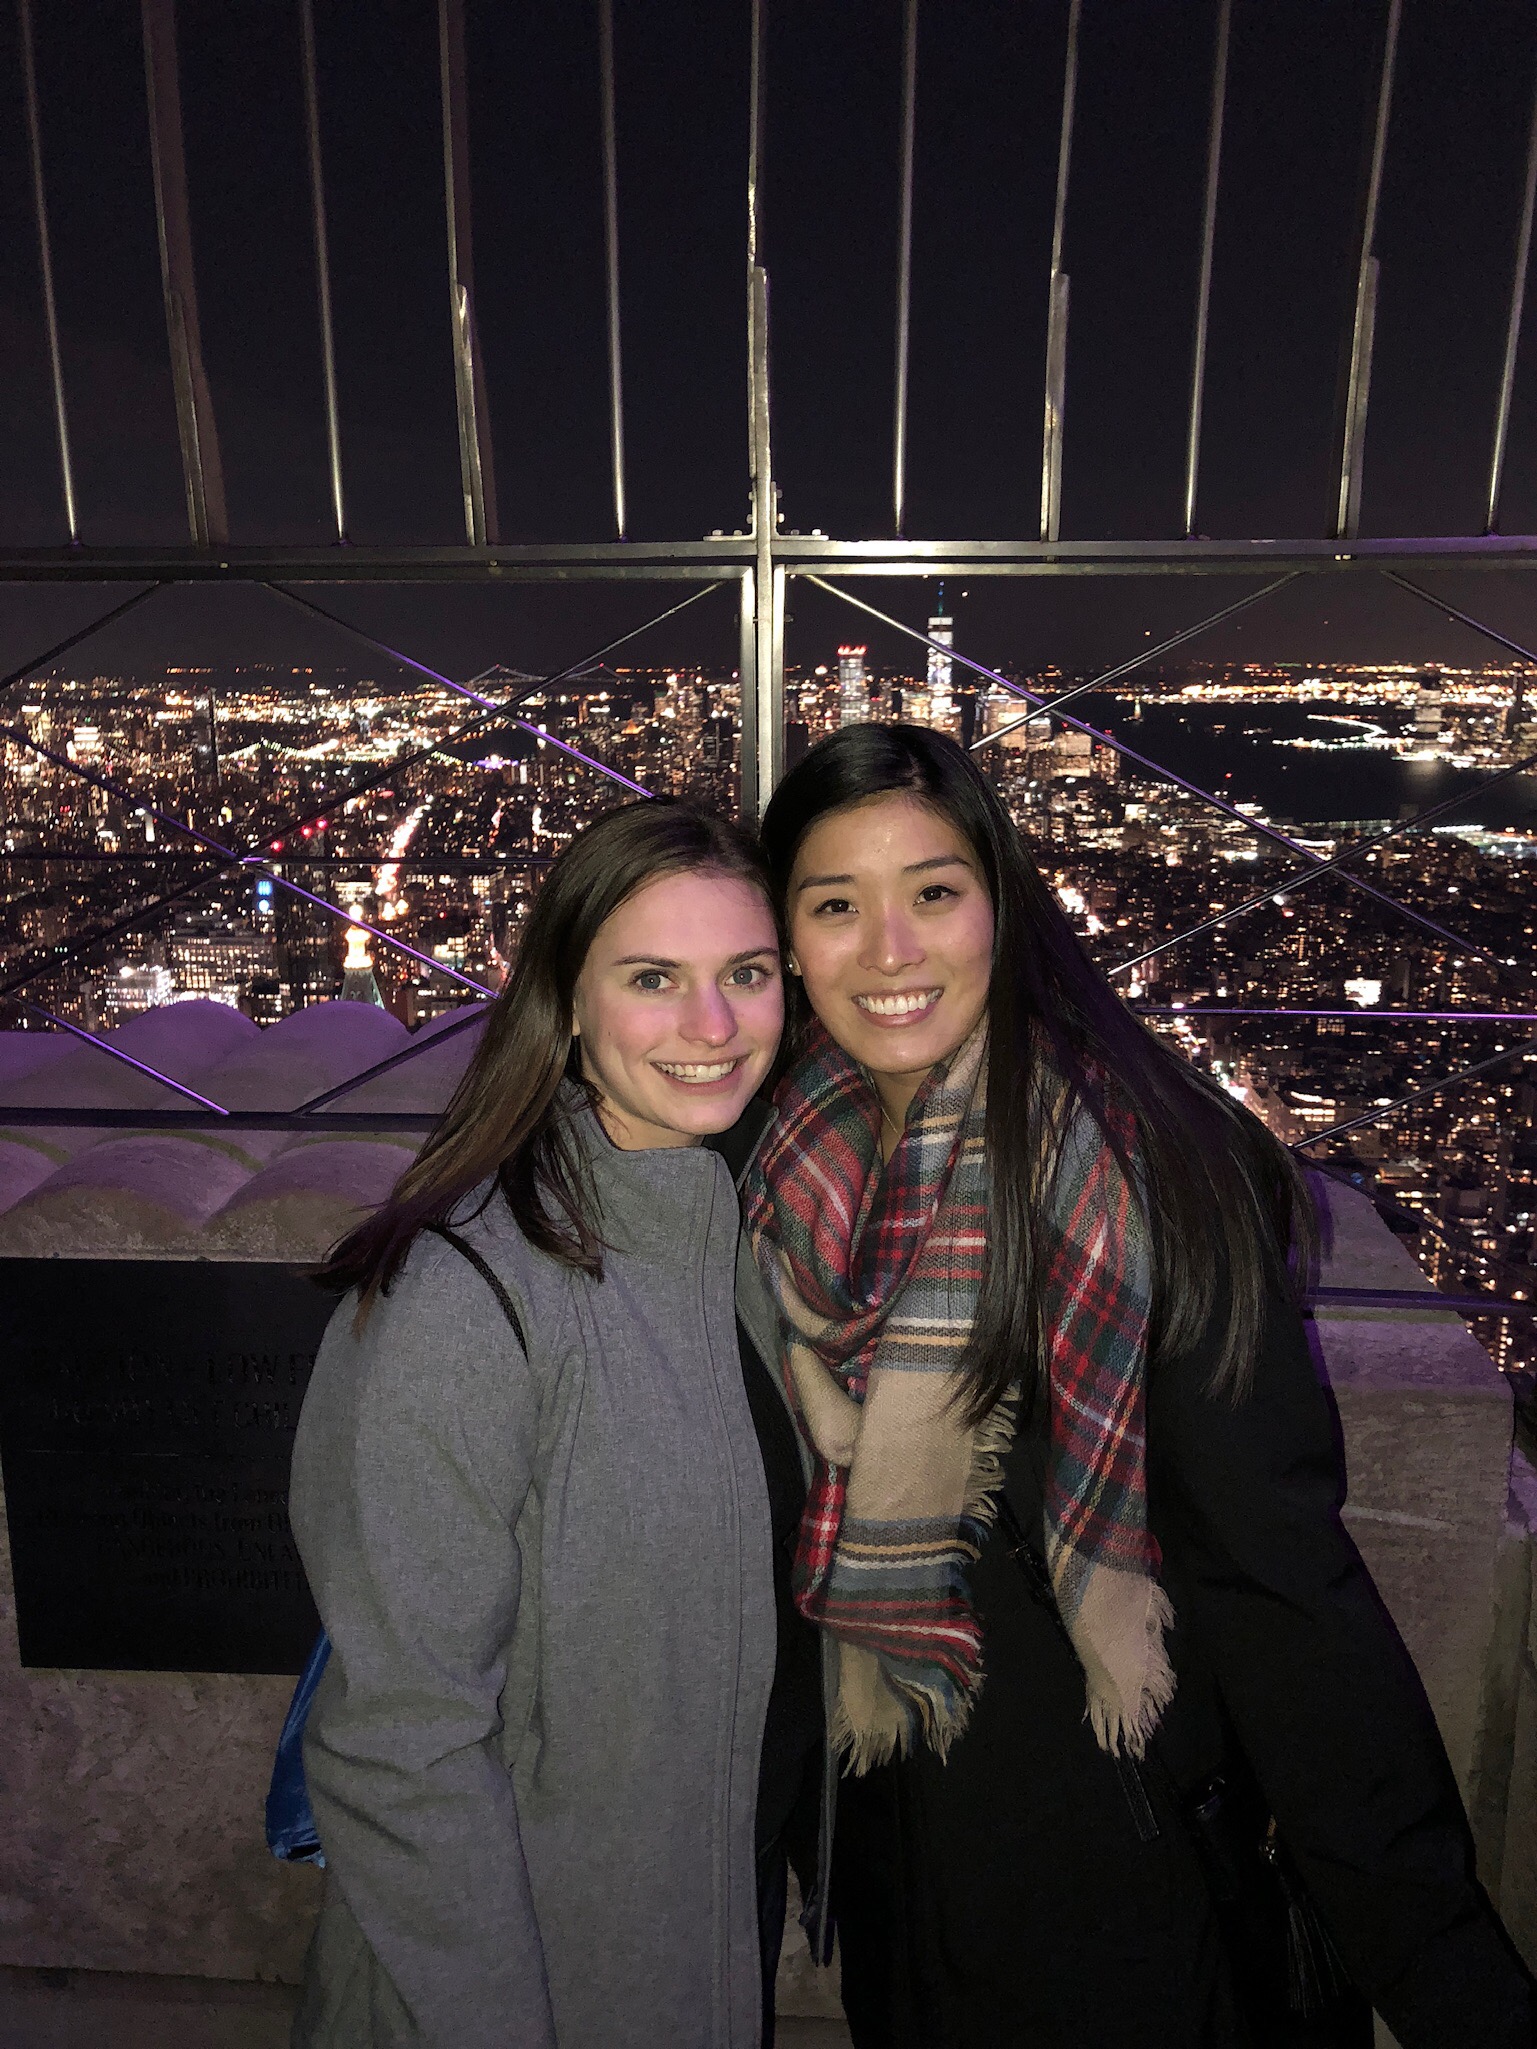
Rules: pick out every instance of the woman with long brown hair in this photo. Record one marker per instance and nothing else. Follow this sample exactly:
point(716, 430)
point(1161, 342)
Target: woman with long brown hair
point(1074, 1536)
point(540, 1487)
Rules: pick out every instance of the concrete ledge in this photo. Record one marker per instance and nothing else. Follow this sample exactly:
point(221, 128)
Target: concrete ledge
point(1427, 1425)
point(131, 1809)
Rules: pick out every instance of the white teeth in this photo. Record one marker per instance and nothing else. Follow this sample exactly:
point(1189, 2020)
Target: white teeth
point(696, 1070)
point(898, 1006)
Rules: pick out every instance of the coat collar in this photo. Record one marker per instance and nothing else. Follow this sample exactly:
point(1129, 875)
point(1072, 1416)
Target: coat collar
point(614, 1166)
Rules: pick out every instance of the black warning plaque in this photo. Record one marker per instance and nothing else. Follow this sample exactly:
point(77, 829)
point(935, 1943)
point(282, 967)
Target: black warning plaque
point(147, 1414)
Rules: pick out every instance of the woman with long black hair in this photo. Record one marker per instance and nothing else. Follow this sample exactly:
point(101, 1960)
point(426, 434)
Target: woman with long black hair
point(541, 1487)
point(1074, 1532)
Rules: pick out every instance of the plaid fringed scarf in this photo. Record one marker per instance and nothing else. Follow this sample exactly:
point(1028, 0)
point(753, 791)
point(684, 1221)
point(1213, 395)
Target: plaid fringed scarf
point(877, 1275)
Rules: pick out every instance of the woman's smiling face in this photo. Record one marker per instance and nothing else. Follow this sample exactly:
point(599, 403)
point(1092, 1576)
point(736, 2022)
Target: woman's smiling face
point(678, 1008)
point(891, 928)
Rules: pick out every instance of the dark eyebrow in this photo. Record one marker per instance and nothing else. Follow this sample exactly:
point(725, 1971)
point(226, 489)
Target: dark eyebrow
point(912, 868)
point(655, 960)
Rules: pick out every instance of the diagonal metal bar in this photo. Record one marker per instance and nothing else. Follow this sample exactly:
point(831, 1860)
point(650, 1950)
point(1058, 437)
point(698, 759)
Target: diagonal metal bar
point(62, 647)
point(1154, 768)
point(1138, 661)
point(421, 1044)
point(545, 737)
point(1440, 604)
point(347, 917)
point(401, 764)
point(492, 708)
point(230, 856)
point(1431, 1088)
point(493, 705)
point(1514, 712)
point(1302, 876)
point(146, 912)
point(45, 267)
point(58, 957)
point(116, 1053)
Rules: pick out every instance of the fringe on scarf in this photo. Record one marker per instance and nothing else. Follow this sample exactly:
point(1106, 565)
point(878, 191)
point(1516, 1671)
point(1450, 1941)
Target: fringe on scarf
point(876, 1717)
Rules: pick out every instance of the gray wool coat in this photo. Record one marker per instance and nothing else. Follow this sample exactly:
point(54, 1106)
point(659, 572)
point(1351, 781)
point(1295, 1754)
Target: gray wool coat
point(547, 1580)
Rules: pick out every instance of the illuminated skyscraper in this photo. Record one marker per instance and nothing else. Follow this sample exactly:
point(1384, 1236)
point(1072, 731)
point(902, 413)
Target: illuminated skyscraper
point(942, 707)
point(1427, 707)
point(358, 982)
point(853, 687)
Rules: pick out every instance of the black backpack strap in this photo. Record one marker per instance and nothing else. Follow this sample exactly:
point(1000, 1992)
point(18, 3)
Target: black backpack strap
point(463, 1246)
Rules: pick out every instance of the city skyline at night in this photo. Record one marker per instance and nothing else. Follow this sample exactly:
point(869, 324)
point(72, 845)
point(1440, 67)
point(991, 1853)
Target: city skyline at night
point(448, 838)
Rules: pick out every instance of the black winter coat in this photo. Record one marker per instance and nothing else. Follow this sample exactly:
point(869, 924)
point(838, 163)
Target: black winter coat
point(1006, 1898)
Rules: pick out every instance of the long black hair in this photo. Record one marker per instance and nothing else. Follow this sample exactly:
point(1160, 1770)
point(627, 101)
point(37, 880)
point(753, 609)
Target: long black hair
point(502, 1121)
point(1224, 1199)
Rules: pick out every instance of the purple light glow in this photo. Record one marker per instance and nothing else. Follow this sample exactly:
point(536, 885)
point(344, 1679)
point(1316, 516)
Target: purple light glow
point(224, 853)
point(117, 1053)
point(1408, 1016)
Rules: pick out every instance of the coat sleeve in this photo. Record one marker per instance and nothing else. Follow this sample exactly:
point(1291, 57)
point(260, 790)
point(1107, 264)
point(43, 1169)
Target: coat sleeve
point(1322, 1694)
point(414, 1457)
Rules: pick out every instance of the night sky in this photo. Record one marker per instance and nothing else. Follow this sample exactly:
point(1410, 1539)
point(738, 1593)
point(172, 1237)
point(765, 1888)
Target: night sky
point(1301, 91)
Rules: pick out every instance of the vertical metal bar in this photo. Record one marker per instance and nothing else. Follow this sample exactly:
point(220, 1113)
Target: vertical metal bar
point(611, 244)
point(1056, 304)
point(322, 263)
point(904, 265)
point(766, 738)
point(771, 703)
point(1056, 400)
point(1513, 328)
point(757, 582)
point(756, 89)
point(475, 466)
point(201, 467)
point(45, 266)
point(747, 674)
point(1208, 245)
point(1347, 512)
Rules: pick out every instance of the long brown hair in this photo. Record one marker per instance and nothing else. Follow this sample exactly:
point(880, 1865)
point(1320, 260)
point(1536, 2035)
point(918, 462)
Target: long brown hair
point(502, 1123)
point(1224, 1199)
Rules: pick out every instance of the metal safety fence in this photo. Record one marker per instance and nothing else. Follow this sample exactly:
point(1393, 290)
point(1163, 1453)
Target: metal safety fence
point(762, 564)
